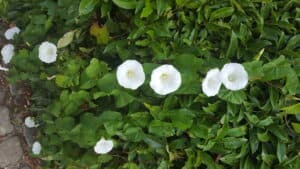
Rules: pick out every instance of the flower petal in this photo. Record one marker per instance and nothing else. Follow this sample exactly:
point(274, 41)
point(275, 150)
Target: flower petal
point(234, 76)
point(47, 52)
point(11, 32)
point(103, 146)
point(36, 148)
point(130, 74)
point(211, 84)
point(165, 79)
point(7, 53)
point(30, 122)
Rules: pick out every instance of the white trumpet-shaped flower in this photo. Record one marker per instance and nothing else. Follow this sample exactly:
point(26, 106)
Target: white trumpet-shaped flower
point(212, 82)
point(103, 146)
point(3, 68)
point(30, 122)
point(36, 148)
point(165, 79)
point(11, 32)
point(234, 76)
point(130, 74)
point(47, 52)
point(7, 52)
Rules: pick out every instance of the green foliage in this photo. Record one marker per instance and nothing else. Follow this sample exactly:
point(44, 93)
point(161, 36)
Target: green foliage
point(78, 101)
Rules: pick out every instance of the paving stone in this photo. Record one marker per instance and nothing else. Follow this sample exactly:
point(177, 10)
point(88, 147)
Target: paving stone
point(10, 151)
point(29, 134)
point(5, 125)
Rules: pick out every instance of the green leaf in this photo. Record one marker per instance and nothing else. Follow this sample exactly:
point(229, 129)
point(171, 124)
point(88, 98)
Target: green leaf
point(96, 68)
point(87, 6)
point(281, 152)
point(122, 98)
point(221, 13)
point(147, 10)
point(293, 109)
point(296, 127)
point(294, 42)
point(254, 69)
point(63, 81)
point(233, 46)
point(161, 6)
point(66, 39)
point(162, 129)
point(126, 4)
point(236, 97)
point(108, 116)
point(182, 119)
point(134, 134)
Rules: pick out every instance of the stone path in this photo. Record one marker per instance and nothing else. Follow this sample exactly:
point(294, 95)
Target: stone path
point(12, 153)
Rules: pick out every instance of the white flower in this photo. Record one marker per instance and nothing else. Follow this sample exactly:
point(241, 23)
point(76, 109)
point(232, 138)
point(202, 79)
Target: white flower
point(130, 74)
point(211, 84)
point(3, 68)
point(7, 52)
point(36, 148)
point(234, 76)
point(103, 146)
point(30, 122)
point(47, 52)
point(165, 79)
point(11, 32)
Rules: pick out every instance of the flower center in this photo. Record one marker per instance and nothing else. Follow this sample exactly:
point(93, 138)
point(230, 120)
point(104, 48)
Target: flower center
point(130, 73)
point(232, 78)
point(164, 76)
point(50, 51)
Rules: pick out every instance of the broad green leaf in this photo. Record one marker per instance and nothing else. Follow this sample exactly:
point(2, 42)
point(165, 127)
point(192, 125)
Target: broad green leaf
point(254, 69)
point(296, 127)
point(182, 119)
point(162, 129)
point(63, 81)
point(66, 39)
point(236, 97)
point(126, 4)
point(293, 109)
point(134, 134)
point(122, 98)
point(87, 6)
point(109, 116)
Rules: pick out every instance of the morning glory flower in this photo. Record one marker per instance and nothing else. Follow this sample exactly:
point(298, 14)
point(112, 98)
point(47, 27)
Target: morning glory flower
point(130, 74)
point(36, 148)
point(211, 84)
point(7, 52)
point(30, 122)
point(11, 32)
point(3, 68)
point(47, 52)
point(234, 76)
point(103, 146)
point(165, 79)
